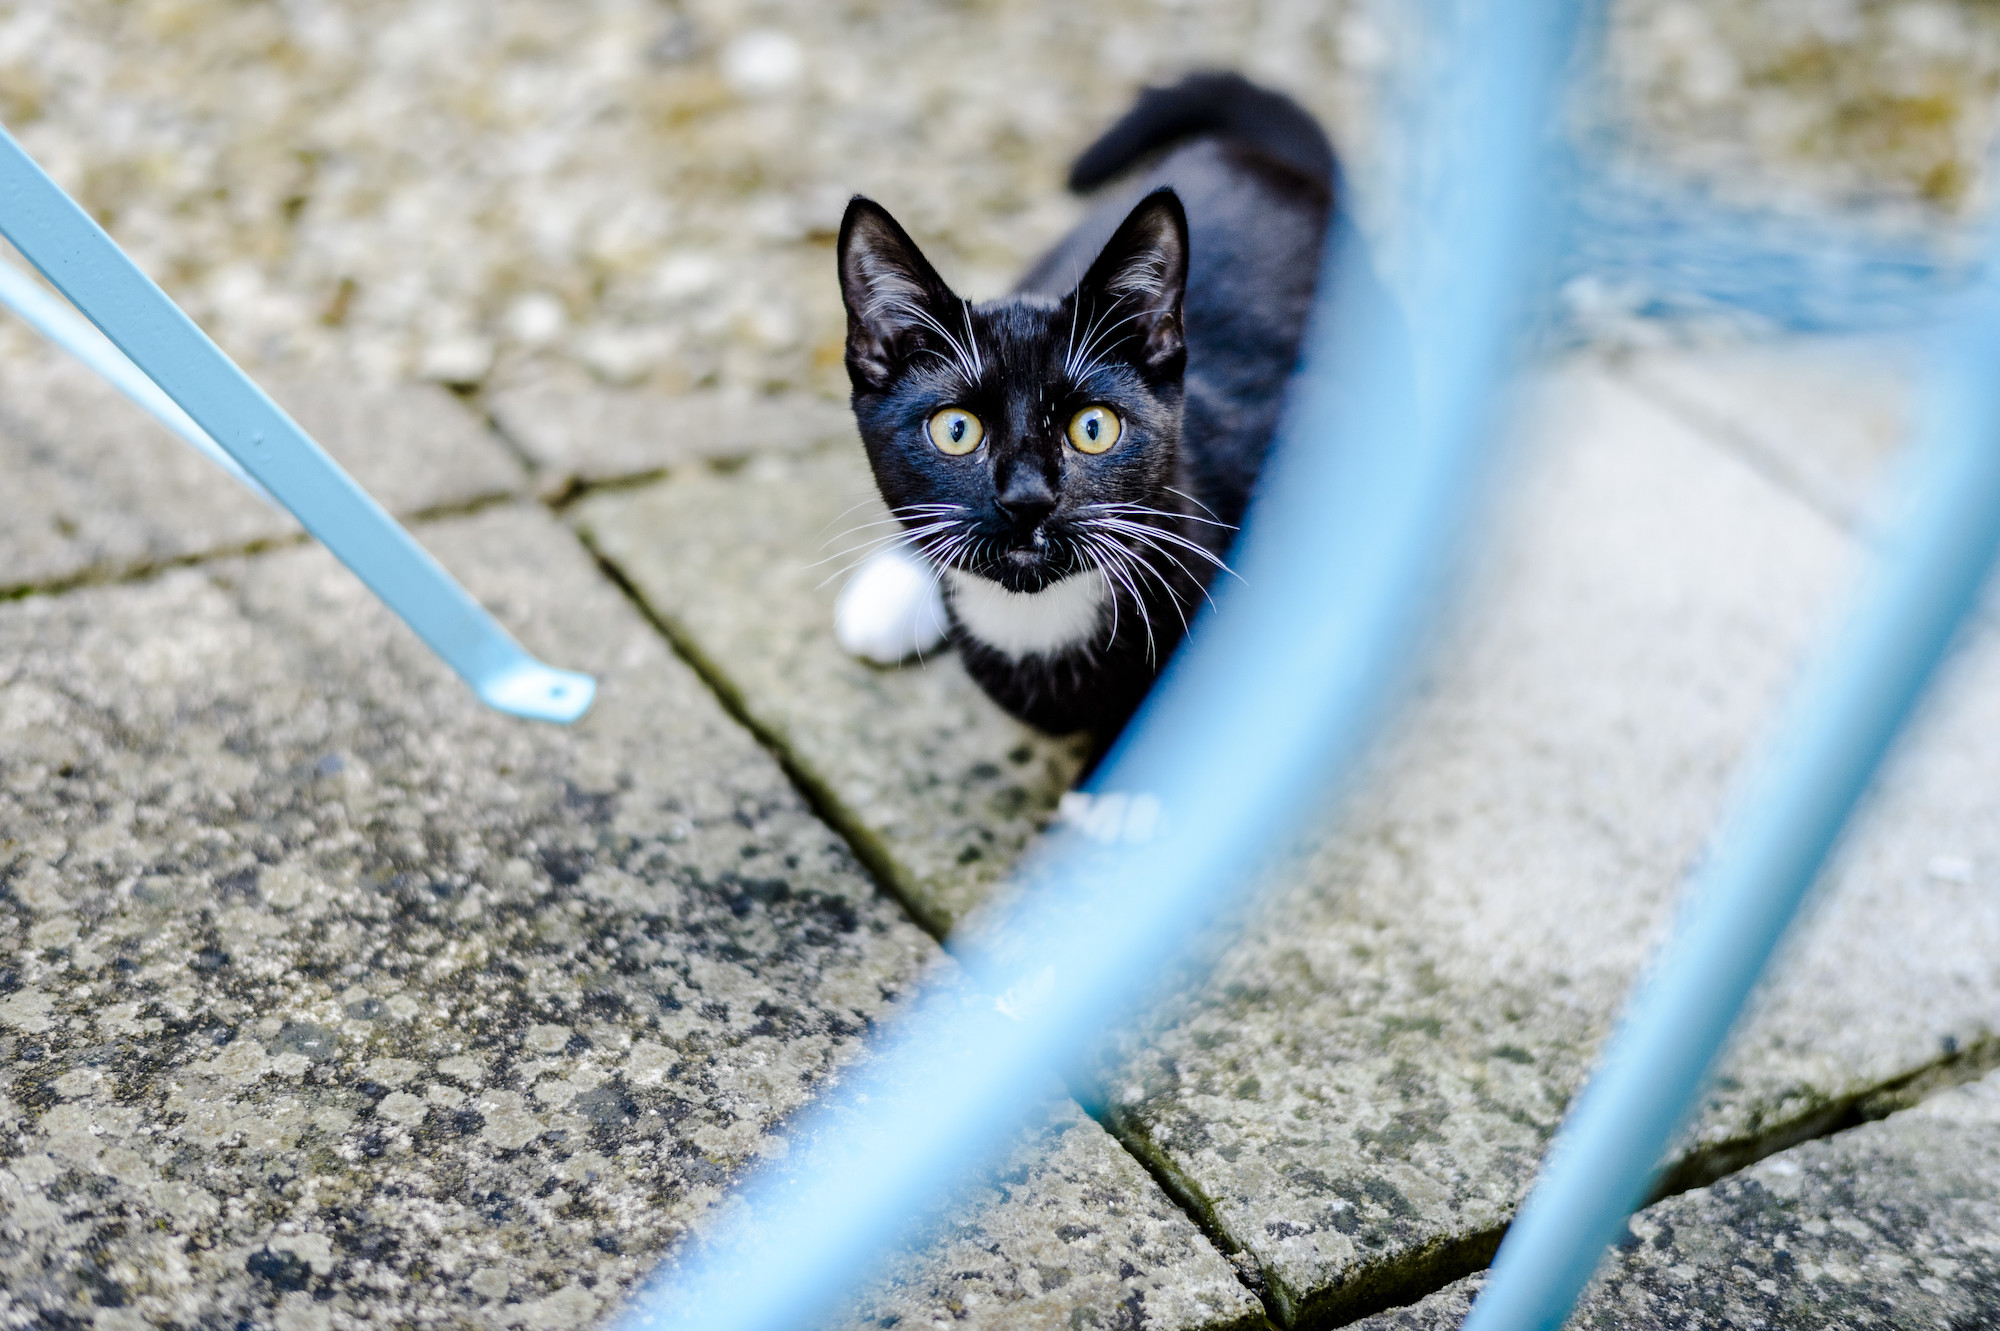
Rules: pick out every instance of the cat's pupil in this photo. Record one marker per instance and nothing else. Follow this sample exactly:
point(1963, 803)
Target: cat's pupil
point(1090, 428)
point(958, 430)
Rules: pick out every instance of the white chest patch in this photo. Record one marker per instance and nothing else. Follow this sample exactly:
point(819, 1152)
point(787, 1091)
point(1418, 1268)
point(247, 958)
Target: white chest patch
point(1061, 615)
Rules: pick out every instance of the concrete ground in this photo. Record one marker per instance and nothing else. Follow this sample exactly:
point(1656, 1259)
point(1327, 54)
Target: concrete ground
point(329, 1000)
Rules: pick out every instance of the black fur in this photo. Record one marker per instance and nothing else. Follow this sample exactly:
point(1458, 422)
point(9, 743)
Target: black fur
point(1191, 288)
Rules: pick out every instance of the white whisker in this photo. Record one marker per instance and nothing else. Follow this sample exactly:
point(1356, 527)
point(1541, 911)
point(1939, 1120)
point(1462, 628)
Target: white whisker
point(1197, 503)
point(1166, 585)
point(961, 357)
point(1090, 348)
point(1119, 567)
point(1147, 510)
point(972, 340)
point(1147, 532)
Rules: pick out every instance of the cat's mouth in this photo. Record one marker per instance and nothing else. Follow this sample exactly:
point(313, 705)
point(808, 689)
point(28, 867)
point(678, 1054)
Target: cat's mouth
point(1028, 566)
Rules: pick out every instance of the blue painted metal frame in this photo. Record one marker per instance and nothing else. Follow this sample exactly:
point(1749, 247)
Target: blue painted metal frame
point(1841, 724)
point(1273, 696)
point(87, 266)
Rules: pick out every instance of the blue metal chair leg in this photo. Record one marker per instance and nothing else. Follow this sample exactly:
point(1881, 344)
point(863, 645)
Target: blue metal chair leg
point(1839, 727)
point(87, 266)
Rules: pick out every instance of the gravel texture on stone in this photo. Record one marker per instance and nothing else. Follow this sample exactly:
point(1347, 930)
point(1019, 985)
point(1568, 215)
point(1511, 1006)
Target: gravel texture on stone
point(96, 489)
point(1893, 1225)
point(1883, 104)
point(640, 190)
point(645, 191)
point(1358, 1093)
point(330, 998)
point(943, 788)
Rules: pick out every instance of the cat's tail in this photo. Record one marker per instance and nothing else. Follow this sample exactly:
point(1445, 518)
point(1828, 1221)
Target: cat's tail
point(1213, 104)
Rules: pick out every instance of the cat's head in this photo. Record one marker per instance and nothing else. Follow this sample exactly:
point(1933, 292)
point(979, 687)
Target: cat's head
point(1002, 433)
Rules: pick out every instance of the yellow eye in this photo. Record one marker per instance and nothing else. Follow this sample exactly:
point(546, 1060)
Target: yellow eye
point(1095, 429)
point(956, 431)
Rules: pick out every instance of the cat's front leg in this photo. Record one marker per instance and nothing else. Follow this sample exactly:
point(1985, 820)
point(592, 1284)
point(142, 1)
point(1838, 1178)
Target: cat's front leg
point(891, 609)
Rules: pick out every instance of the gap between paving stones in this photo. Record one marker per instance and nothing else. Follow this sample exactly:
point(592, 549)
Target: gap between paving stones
point(102, 493)
point(1892, 1225)
point(993, 1249)
point(867, 848)
point(419, 518)
point(143, 571)
point(825, 804)
point(1777, 1120)
point(1419, 1272)
point(876, 858)
point(1430, 1270)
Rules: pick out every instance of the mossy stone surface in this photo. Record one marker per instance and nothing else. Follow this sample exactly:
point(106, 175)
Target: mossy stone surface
point(1894, 1224)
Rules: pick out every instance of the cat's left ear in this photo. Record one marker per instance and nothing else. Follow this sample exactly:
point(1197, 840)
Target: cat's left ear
point(893, 295)
point(1143, 267)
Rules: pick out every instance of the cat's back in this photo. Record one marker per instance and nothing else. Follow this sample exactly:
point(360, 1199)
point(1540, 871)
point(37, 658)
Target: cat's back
point(1252, 223)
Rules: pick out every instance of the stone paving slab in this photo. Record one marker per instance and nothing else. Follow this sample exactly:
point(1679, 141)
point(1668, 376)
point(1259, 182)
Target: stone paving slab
point(332, 998)
point(1360, 1090)
point(1822, 416)
point(919, 766)
point(576, 433)
point(95, 488)
point(1359, 1093)
point(1362, 1087)
point(1893, 1225)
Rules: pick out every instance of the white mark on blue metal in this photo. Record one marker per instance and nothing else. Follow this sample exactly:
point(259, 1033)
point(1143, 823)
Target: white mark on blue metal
point(1838, 727)
point(87, 266)
point(1275, 694)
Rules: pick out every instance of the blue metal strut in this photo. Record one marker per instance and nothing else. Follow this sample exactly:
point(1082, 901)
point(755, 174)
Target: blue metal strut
point(1839, 726)
point(87, 266)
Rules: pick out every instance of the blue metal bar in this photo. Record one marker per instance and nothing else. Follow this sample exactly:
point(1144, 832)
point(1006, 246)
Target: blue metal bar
point(1839, 726)
point(62, 325)
point(87, 266)
point(1273, 696)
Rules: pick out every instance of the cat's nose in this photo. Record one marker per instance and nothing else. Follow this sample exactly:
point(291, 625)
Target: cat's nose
point(1026, 501)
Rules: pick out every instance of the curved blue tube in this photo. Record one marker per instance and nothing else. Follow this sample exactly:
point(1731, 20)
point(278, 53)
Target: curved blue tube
point(1273, 696)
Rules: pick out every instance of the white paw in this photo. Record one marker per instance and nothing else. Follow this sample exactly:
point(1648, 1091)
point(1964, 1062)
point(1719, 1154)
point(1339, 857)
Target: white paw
point(890, 609)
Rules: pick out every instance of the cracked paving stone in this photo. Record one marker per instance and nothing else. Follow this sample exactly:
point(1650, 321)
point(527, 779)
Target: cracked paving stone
point(1359, 1090)
point(1893, 1225)
point(96, 488)
point(328, 996)
point(578, 433)
point(744, 568)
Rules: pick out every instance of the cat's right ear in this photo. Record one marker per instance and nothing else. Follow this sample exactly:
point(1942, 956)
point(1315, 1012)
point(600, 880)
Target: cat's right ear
point(890, 289)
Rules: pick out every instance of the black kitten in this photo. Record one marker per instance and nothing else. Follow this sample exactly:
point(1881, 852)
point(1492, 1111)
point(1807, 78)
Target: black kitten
point(1075, 459)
